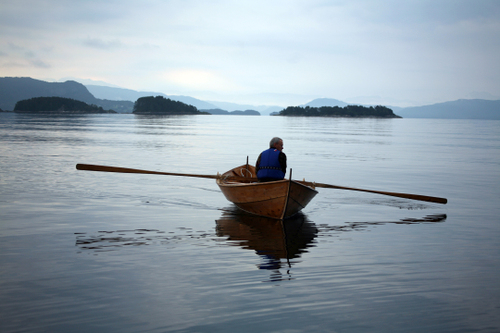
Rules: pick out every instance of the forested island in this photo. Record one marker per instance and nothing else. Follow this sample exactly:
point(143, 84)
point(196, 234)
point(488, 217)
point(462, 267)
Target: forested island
point(349, 111)
point(57, 104)
point(160, 105)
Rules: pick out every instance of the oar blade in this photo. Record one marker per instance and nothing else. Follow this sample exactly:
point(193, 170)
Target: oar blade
point(393, 194)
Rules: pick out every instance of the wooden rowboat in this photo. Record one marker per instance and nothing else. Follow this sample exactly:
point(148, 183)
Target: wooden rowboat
point(277, 199)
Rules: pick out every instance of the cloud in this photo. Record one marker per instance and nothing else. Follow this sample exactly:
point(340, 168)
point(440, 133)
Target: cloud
point(192, 79)
point(18, 56)
point(39, 63)
point(101, 44)
point(428, 51)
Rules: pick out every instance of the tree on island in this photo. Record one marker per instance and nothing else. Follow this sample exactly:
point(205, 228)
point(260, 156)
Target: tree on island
point(349, 111)
point(57, 104)
point(160, 105)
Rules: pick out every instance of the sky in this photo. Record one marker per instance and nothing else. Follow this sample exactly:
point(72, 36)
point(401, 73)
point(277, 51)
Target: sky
point(399, 53)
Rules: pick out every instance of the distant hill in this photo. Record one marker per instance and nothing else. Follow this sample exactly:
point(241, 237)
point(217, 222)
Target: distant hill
point(14, 89)
point(262, 109)
point(245, 113)
point(224, 112)
point(121, 94)
point(118, 106)
point(460, 109)
point(319, 102)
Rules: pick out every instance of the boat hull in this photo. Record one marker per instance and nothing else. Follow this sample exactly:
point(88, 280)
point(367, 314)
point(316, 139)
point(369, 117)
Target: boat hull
point(277, 199)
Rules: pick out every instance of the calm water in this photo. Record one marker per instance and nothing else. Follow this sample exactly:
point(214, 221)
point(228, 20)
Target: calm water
point(99, 252)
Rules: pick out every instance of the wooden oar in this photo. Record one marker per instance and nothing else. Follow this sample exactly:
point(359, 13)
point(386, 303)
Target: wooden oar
point(103, 168)
point(393, 194)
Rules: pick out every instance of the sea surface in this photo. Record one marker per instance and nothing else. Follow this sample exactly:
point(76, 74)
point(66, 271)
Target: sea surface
point(84, 251)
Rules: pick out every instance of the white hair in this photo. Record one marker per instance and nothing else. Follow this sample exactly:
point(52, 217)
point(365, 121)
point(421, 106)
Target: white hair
point(274, 141)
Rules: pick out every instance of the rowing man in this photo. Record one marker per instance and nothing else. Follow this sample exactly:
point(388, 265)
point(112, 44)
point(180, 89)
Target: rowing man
point(271, 164)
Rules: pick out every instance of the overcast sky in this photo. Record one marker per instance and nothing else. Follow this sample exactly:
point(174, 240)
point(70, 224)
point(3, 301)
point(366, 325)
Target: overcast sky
point(401, 52)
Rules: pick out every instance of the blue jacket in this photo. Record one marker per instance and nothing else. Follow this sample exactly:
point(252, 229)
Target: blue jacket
point(269, 165)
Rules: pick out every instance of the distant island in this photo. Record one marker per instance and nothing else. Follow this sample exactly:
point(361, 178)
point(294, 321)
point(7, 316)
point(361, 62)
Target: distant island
point(349, 111)
point(14, 89)
point(233, 113)
point(57, 104)
point(160, 105)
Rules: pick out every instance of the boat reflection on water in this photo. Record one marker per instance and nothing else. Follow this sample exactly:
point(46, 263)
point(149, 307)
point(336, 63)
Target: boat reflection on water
point(276, 242)
point(279, 242)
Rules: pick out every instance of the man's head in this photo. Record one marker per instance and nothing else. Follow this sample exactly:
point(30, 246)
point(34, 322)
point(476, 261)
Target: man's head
point(276, 143)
